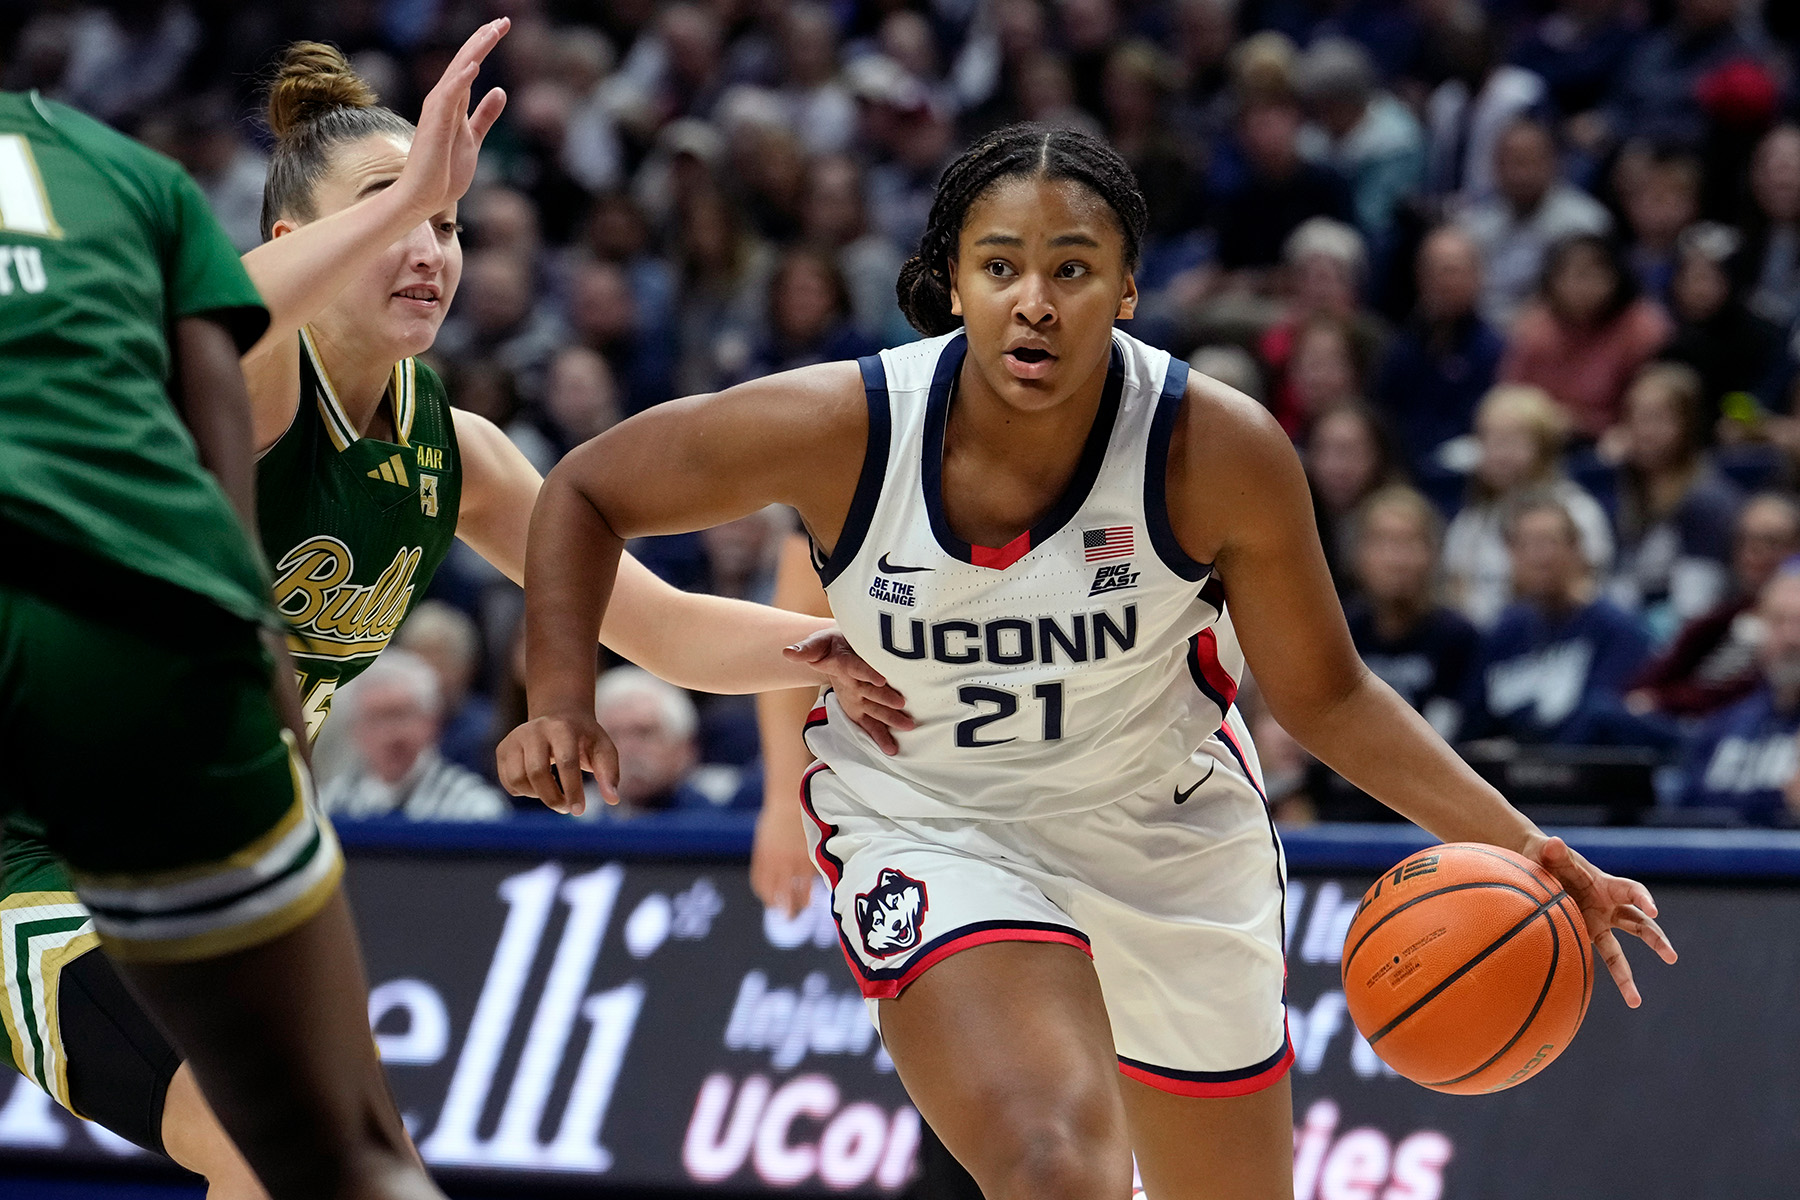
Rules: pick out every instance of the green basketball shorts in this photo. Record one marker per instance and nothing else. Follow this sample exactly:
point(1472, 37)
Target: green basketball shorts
point(150, 760)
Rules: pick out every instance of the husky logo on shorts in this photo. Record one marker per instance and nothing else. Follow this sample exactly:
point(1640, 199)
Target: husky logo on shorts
point(890, 913)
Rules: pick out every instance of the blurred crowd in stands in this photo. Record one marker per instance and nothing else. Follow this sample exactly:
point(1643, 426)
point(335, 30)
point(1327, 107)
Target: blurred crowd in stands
point(1520, 277)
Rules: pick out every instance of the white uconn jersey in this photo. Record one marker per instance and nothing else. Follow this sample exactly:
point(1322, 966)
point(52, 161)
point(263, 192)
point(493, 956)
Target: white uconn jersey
point(1085, 661)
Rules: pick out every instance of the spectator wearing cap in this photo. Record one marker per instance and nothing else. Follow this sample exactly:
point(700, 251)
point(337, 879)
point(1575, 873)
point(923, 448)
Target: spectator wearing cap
point(1360, 131)
point(1281, 190)
point(1735, 351)
point(1587, 334)
point(1531, 210)
point(688, 156)
point(1675, 511)
point(1554, 667)
point(1770, 265)
point(395, 716)
point(1712, 662)
point(447, 640)
point(1444, 359)
point(1744, 759)
point(654, 725)
point(1519, 433)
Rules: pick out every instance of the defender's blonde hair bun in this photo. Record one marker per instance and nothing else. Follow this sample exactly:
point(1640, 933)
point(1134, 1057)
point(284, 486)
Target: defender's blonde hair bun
point(314, 79)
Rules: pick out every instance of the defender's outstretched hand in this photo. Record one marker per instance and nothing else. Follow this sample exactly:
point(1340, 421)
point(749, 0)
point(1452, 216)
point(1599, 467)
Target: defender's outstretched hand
point(545, 758)
point(1607, 902)
point(861, 690)
point(441, 164)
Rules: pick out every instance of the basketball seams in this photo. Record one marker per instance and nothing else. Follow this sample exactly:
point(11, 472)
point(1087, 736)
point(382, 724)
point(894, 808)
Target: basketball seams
point(1350, 955)
point(1420, 1034)
point(1512, 860)
point(1543, 994)
point(1542, 909)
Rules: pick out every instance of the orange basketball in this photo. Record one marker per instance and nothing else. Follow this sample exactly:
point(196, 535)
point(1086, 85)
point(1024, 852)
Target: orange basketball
point(1467, 968)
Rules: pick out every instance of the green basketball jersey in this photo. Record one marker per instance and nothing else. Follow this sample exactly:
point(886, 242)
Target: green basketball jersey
point(104, 245)
point(355, 527)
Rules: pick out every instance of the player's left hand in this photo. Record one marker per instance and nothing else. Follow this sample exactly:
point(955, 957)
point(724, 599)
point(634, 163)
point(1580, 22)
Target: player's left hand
point(861, 691)
point(1607, 902)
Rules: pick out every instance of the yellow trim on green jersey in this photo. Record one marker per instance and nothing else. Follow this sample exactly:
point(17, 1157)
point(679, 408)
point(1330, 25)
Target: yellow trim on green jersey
point(400, 395)
point(337, 422)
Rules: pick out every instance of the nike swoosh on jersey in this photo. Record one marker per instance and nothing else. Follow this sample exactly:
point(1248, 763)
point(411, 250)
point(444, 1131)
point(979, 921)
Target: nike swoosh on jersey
point(888, 568)
point(1181, 796)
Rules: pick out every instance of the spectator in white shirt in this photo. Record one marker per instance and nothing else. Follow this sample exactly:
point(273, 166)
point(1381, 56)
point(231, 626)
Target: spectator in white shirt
point(394, 711)
point(1531, 210)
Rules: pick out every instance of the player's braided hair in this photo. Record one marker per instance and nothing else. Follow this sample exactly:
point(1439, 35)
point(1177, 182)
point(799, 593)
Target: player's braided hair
point(1029, 150)
point(316, 102)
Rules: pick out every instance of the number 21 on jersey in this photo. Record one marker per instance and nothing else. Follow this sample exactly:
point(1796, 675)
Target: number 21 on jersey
point(1003, 705)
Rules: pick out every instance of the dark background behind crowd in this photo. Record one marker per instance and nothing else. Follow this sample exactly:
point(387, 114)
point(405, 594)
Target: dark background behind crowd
point(1520, 277)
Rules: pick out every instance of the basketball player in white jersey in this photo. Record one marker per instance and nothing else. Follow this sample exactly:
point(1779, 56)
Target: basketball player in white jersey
point(1063, 895)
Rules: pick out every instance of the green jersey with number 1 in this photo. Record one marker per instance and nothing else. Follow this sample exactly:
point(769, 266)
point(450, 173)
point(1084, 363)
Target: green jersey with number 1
point(104, 245)
point(354, 527)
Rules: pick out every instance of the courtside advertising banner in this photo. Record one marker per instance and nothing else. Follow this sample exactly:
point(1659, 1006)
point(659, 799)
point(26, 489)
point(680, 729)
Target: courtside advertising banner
point(647, 1024)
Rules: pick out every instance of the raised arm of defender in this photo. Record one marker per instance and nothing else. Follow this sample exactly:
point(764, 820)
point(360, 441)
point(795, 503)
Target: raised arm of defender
point(301, 271)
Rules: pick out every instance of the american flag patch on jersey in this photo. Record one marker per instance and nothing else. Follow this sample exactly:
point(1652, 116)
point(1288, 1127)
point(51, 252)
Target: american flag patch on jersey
point(1115, 541)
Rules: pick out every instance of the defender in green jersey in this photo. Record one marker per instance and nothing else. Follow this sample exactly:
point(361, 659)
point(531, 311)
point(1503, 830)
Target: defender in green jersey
point(355, 526)
point(367, 473)
point(130, 604)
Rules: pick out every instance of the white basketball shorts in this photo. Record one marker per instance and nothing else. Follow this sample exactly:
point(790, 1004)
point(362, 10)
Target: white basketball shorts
point(1176, 892)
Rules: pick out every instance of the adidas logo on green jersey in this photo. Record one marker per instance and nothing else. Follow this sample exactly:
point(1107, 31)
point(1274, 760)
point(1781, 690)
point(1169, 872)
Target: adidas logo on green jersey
point(393, 470)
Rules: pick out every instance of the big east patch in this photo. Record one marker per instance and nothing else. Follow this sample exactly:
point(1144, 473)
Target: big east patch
point(889, 914)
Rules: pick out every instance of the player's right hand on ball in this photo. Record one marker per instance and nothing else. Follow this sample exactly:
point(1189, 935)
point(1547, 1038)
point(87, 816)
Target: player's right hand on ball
point(545, 758)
